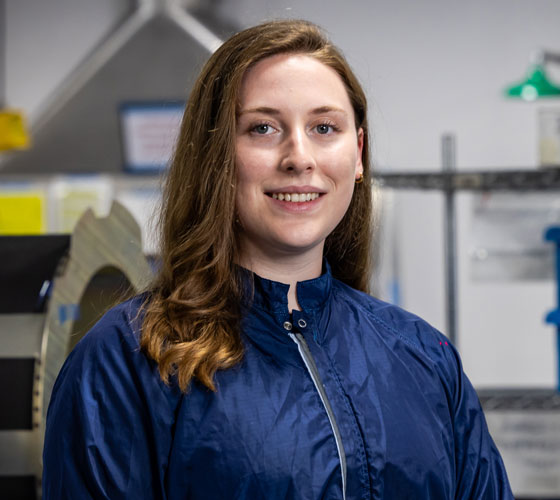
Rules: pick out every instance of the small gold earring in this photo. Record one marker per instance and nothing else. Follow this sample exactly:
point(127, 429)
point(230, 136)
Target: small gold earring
point(360, 179)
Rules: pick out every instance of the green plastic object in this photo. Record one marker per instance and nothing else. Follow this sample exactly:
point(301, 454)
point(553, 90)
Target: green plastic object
point(536, 86)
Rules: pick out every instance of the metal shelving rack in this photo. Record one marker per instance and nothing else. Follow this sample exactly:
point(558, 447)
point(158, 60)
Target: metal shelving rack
point(449, 181)
point(483, 180)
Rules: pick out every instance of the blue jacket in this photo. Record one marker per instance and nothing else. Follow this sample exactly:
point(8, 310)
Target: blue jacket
point(348, 398)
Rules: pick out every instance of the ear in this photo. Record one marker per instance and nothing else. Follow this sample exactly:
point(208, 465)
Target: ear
point(360, 146)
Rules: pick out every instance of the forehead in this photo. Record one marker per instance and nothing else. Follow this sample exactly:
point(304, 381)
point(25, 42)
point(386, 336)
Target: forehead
point(292, 75)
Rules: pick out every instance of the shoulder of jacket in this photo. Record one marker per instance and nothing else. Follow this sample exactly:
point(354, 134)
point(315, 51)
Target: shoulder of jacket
point(402, 324)
point(108, 374)
point(111, 351)
point(117, 329)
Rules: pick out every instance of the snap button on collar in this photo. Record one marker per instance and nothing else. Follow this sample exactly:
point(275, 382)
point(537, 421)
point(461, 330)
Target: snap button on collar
point(302, 323)
point(287, 325)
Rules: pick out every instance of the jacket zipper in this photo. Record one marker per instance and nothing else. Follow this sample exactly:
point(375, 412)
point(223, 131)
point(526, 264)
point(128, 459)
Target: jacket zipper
point(305, 354)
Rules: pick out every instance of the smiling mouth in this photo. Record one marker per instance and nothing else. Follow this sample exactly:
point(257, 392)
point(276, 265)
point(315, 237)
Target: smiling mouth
point(295, 197)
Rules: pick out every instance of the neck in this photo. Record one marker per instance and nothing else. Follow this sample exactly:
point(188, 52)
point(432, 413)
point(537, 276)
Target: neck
point(286, 268)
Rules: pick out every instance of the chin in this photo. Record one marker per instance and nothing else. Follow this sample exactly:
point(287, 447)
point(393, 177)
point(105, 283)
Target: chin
point(299, 245)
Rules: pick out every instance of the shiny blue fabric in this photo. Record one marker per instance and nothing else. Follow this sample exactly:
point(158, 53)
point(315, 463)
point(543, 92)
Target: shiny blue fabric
point(410, 421)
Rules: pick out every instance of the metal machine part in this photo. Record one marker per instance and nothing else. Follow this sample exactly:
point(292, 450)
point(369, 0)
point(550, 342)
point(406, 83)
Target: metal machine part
point(53, 288)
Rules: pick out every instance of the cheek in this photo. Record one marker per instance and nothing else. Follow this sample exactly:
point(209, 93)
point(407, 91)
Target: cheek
point(248, 182)
point(348, 193)
point(244, 180)
point(343, 171)
point(346, 184)
point(249, 167)
point(344, 155)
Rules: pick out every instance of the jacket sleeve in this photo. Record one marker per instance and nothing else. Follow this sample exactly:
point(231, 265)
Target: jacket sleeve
point(480, 472)
point(108, 431)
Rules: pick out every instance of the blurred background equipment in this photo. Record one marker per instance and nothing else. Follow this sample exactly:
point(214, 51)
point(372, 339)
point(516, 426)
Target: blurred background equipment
point(552, 234)
point(53, 288)
point(537, 83)
point(152, 53)
point(13, 130)
point(549, 137)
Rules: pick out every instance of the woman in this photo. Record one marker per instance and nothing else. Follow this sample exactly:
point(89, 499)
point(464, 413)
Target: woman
point(256, 366)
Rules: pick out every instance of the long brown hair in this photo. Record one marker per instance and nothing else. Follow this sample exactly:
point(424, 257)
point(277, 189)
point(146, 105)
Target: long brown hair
point(191, 325)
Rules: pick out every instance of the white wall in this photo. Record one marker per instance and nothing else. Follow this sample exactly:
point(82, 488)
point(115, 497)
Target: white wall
point(429, 67)
point(46, 40)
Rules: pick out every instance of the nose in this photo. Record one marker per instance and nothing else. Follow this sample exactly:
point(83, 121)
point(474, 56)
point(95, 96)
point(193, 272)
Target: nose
point(298, 153)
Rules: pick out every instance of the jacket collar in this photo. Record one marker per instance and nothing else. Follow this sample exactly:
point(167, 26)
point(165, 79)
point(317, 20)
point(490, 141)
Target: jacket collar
point(273, 295)
point(266, 313)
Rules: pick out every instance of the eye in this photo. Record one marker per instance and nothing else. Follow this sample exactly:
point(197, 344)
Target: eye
point(262, 129)
point(325, 128)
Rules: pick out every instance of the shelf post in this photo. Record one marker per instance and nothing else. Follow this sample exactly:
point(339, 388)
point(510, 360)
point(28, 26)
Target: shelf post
point(448, 159)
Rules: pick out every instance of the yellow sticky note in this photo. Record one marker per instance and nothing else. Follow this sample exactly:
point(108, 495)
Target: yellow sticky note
point(13, 132)
point(22, 213)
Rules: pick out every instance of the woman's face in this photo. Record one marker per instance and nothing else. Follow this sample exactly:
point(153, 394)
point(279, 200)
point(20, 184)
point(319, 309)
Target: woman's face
point(297, 155)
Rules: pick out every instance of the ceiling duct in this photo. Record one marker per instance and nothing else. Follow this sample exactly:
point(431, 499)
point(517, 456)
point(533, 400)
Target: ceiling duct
point(155, 54)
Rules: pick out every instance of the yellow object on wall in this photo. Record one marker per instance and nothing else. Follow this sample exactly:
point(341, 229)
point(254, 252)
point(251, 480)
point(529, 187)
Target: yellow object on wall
point(13, 132)
point(22, 213)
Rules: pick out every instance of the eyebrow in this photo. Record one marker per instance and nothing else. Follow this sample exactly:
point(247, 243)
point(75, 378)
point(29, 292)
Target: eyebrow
point(274, 111)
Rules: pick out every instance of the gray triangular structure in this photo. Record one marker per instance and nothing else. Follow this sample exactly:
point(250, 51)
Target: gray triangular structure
point(154, 55)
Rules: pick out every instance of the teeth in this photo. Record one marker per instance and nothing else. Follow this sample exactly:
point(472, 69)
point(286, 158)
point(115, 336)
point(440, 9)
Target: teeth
point(295, 197)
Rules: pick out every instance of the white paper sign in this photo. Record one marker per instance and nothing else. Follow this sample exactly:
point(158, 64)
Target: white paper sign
point(149, 134)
